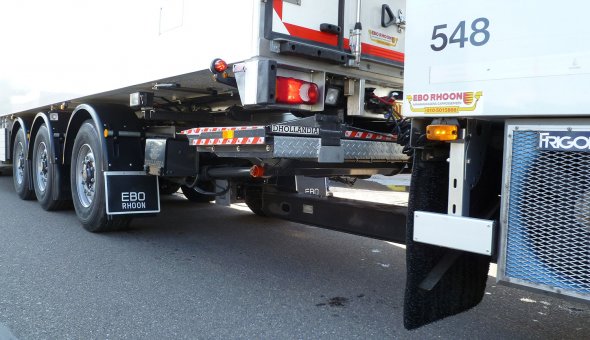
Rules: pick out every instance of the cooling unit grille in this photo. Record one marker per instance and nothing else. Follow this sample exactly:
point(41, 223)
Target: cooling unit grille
point(547, 242)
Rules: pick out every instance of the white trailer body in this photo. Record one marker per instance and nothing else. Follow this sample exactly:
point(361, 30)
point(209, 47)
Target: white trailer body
point(501, 116)
point(71, 50)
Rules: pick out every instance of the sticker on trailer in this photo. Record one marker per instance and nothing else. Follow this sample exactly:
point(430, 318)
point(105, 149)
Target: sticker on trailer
point(454, 102)
point(564, 141)
point(295, 130)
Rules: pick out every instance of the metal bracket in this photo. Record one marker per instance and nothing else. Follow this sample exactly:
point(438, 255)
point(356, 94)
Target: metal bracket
point(311, 51)
point(389, 19)
point(439, 270)
point(465, 166)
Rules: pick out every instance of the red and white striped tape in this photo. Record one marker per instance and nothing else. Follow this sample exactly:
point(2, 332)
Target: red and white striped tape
point(369, 136)
point(198, 131)
point(228, 141)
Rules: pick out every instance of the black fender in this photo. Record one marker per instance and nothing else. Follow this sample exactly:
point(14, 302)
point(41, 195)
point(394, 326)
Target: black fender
point(19, 123)
point(56, 129)
point(121, 147)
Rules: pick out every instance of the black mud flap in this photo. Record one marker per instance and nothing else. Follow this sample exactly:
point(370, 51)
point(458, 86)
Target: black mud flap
point(131, 192)
point(462, 284)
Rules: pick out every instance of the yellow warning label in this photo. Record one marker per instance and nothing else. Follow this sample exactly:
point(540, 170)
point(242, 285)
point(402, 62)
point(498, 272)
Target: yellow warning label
point(446, 102)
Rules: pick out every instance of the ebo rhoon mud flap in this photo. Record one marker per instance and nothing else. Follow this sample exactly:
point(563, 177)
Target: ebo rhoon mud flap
point(131, 192)
point(440, 281)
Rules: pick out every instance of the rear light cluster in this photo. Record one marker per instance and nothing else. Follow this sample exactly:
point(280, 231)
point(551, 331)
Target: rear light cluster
point(294, 91)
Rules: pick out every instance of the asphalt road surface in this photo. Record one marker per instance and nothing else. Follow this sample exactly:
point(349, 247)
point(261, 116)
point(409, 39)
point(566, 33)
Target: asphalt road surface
point(203, 271)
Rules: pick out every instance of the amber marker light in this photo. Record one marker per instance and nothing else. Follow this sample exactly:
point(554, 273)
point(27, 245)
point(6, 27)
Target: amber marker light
point(442, 132)
point(227, 134)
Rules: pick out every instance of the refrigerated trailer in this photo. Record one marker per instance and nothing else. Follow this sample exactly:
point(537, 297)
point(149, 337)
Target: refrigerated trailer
point(500, 110)
point(106, 105)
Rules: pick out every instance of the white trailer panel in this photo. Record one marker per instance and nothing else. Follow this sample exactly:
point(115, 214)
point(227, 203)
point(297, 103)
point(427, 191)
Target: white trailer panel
point(500, 58)
point(63, 49)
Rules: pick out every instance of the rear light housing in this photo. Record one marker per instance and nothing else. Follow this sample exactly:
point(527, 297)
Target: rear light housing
point(294, 91)
point(218, 66)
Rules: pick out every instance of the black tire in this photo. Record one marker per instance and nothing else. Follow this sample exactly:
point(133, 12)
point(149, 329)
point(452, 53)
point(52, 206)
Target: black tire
point(87, 183)
point(167, 187)
point(43, 172)
point(20, 170)
point(192, 195)
point(253, 199)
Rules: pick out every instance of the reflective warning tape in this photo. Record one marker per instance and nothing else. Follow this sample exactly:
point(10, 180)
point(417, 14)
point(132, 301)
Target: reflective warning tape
point(369, 136)
point(198, 131)
point(228, 141)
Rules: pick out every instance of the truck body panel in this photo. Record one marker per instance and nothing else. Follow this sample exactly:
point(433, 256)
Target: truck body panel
point(102, 51)
point(483, 59)
point(69, 49)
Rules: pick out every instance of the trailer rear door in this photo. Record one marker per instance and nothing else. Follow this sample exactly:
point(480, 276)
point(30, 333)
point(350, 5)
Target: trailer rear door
point(328, 24)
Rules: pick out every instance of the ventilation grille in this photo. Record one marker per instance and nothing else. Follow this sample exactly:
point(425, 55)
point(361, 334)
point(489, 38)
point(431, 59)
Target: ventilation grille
point(548, 236)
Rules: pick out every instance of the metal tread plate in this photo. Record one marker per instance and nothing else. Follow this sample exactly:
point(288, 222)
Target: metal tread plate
point(309, 148)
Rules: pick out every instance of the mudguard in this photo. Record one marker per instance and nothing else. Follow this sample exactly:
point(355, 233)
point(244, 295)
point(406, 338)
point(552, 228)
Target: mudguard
point(117, 156)
point(462, 286)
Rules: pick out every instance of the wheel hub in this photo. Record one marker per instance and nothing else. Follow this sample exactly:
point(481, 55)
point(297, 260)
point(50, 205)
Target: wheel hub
point(20, 164)
point(86, 175)
point(42, 167)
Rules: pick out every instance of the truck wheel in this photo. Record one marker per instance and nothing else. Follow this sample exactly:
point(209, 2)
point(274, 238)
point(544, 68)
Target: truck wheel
point(192, 195)
point(43, 172)
point(253, 199)
point(87, 183)
point(20, 171)
point(167, 187)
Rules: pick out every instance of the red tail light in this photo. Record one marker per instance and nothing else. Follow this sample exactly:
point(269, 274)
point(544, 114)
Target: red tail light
point(295, 91)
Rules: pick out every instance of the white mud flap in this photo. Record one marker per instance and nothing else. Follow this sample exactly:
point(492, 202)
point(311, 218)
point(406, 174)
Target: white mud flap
point(131, 192)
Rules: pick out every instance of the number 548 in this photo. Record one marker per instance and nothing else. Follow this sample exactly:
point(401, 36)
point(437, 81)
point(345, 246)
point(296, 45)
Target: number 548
point(479, 35)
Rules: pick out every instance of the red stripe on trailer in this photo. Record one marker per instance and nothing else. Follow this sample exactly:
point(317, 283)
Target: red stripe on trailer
point(278, 7)
point(229, 141)
point(304, 32)
point(379, 52)
point(310, 34)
